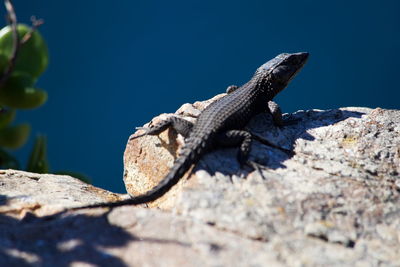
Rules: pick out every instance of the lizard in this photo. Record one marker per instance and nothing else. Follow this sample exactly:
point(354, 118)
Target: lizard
point(222, 123)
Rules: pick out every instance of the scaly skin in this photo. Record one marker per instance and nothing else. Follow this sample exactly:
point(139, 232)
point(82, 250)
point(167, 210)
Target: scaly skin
point(222, 122)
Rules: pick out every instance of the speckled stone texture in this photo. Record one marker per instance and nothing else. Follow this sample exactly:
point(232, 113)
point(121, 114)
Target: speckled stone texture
point(336, 202)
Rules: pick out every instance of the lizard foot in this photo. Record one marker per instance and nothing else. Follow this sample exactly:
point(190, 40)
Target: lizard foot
point(257, 167)
point(147, 130)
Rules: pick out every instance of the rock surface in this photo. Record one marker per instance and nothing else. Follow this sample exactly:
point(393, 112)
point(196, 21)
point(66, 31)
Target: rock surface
point(44, 194)
point(336, 202)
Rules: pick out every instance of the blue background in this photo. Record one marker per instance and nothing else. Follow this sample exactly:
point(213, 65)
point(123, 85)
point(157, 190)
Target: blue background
point(116, 64)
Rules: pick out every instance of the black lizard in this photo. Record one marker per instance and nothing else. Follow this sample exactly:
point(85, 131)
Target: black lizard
point(222, 122)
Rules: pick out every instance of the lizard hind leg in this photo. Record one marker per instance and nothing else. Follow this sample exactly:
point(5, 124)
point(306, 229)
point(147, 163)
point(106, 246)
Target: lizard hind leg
point(244, 139)
point(181, 126)
point(235, 138)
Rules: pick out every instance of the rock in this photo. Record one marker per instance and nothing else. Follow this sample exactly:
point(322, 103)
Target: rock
point(336, 202)
point(341, 184)
point(140, 172)
point(44, 194)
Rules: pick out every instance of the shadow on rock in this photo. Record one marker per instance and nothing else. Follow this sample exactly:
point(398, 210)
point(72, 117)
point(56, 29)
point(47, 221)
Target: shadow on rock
point(59, 240)
point(298, 124)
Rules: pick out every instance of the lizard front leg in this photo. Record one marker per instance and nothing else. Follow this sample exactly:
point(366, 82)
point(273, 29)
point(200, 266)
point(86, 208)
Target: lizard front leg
point(181, 126)
point(275, 111)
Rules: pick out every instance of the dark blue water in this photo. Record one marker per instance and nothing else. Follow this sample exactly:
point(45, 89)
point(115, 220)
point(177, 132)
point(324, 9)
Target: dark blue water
point(116, 64)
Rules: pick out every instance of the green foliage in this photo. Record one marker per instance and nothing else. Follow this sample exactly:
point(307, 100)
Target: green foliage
point(33, 55)
point(38, 161)
point(14, 136)
point(18, 92)
point(6, 116)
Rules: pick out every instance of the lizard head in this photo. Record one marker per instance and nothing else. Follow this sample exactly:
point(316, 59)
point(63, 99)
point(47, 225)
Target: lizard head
point(282, 69)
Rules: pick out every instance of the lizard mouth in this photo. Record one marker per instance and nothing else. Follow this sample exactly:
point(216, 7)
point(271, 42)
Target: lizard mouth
point(300, 59)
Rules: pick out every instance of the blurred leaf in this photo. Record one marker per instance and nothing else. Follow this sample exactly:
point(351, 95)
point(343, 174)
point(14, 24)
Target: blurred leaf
point(14, 136)
point(32, 56)
point(18, 93)
point(38, 161)
point(7, 115)
point(77, 175)
point(4, 61)
point(7, 161)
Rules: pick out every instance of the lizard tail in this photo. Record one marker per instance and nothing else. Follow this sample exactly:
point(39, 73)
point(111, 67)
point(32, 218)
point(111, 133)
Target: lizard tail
point(181, 165)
